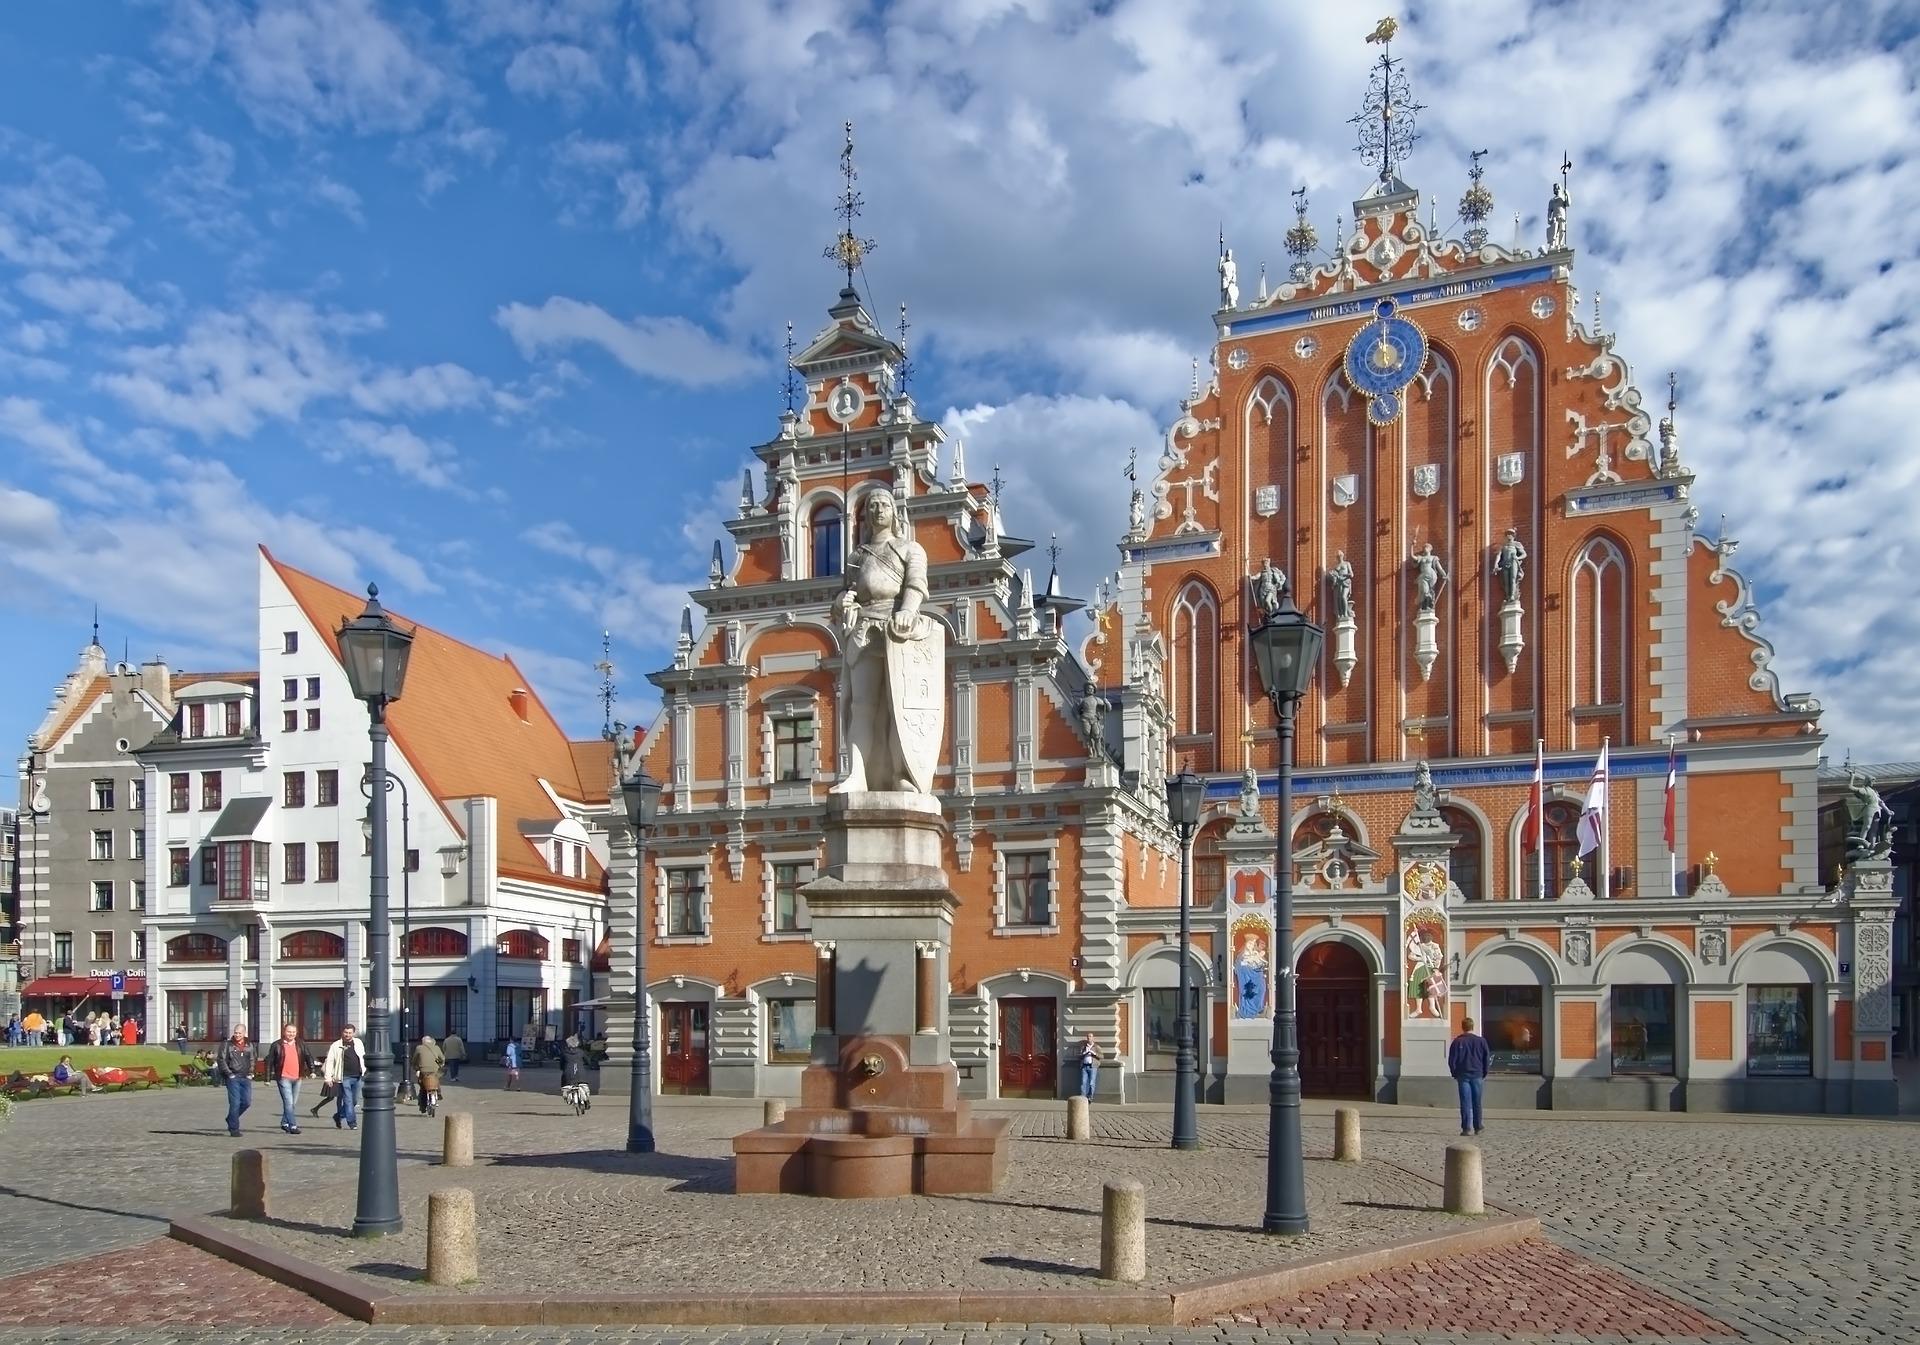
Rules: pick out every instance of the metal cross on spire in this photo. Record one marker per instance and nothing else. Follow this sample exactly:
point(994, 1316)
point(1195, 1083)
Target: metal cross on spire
point(849, 249)
point(605, 668)
point(906, 361)
point(1385, 120)
point(789, 387)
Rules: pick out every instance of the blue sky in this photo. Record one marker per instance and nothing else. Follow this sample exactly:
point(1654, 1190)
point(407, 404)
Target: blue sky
point(482, 298)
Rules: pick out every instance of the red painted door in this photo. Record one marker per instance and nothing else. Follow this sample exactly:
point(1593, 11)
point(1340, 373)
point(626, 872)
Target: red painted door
point(683, 1048)
point(1029, 1050)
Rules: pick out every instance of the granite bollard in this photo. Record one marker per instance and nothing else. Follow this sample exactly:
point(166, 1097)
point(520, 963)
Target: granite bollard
point(247, 1198)
point(453, 1252)
point(1079, 1119)
point(1123, 1232)
point(1346, 1134)
point(1465, 1177)
point(456, 1149)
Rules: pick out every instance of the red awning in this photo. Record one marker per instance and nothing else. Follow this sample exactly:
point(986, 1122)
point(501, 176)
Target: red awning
point(68, 987)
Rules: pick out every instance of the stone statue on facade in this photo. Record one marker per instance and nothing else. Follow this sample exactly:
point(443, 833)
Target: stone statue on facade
point(1557, 206)
point(894, 690)
point(1426, 797)
point(1093, 721)
point(1250, 795)
point(1340, 579)
point(1229, 280)
point(1430, 576)
point(1510, 565)
point(1137, 516)
point(1269, 587)
point(1870, 820)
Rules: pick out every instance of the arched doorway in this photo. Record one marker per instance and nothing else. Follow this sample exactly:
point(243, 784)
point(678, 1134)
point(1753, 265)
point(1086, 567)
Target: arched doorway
point(1336, 1036)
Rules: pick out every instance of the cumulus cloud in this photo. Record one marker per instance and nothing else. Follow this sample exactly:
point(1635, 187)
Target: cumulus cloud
point(556, 70)
point(669, 348)
point(105, 305)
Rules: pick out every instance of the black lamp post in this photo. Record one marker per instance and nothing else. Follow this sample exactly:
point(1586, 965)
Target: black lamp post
point(375, 652)
point(1185, 793)
point(404, 1042)
point(641, 793)
point(1286, 647)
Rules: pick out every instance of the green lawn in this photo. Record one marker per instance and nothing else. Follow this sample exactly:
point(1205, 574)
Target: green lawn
point(42, 1059)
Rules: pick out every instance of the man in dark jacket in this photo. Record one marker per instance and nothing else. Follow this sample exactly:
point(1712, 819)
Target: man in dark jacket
point(233, 1066)
point(1467, 1061)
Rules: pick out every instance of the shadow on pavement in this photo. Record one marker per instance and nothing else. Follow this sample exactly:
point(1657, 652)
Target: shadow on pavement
point(1389, 1205)
point(1042, 1267)
point(693, 1174)
point(18, 1194)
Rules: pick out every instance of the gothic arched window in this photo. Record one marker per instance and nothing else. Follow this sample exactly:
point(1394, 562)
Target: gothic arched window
point(1599, 625)
point(1466, 864)
point(1196, 667)
point(825, 526)
point(1562, 842)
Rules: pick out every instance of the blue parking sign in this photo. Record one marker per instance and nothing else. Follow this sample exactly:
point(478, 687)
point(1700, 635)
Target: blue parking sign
point(117, 983)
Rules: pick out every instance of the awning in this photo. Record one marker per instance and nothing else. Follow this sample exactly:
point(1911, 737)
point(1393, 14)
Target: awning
point(72, 987)
point(238, 819)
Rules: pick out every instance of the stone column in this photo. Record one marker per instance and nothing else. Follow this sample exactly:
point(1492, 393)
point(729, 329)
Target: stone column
point(823, 987)
point(926, 1009)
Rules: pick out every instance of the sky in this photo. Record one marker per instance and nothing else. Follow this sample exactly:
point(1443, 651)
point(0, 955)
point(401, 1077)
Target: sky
point(484, 300)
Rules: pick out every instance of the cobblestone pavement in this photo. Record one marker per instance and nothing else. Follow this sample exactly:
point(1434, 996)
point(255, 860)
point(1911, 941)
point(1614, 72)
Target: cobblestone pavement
point(1787, 1229)
point(156, 1283)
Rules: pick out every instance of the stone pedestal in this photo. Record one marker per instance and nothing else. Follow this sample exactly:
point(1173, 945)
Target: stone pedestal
point(880, 1112)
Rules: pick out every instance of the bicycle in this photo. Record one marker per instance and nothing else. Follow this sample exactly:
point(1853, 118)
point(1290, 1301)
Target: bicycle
point(575, 1095)
point(429, 1094)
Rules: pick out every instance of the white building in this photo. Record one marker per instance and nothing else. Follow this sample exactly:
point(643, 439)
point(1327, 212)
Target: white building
point(258, 868)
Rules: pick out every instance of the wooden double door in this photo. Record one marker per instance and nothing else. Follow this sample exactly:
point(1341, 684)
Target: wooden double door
point(683, 1048)
point(1029, 1048)
point(1336, 1025)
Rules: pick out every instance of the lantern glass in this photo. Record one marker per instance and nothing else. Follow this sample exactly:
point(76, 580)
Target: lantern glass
point(1186, 793)
point(375, 652)
point(642, 795)
point(1286, 647)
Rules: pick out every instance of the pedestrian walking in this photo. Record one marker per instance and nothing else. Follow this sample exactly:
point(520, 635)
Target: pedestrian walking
point(510, 1059)
point(1468, 1060)
point(14, 1030)
point(233, 1066)
point(1089, 1065)
point(428, 1064)
point(573, 1071)
point(287, 1063)
point(180, 1040)
point(455, 1051)
point(343, 1070)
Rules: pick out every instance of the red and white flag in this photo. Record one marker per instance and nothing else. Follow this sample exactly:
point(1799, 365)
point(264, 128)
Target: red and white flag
point(1593, 813)
point(1536, 799)
point(1670, 794)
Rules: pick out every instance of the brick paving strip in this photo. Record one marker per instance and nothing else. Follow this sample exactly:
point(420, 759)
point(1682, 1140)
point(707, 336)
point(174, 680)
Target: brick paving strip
point(164, 1282)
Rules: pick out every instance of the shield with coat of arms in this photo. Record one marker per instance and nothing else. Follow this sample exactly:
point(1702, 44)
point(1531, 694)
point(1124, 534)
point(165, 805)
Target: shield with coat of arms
point(916, 677)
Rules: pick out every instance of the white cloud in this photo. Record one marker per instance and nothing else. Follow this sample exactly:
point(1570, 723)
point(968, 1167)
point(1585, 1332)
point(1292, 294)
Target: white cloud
point(105, 305)
point(556, 70)
point(61, 450)
point(590, 177)
point(621, 592)
point(331, 192)
point(668, 348)
point(430, 462)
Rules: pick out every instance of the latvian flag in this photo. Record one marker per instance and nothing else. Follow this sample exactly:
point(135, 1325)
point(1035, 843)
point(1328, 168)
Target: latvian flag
point(1536, 800)
point(1593, 813)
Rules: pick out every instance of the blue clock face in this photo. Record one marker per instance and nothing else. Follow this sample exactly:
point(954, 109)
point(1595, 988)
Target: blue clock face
point(1383, 357)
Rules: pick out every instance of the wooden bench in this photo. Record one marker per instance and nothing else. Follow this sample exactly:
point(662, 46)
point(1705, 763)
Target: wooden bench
point(146, 1076)
point(20, 1087)
point(192, 1073)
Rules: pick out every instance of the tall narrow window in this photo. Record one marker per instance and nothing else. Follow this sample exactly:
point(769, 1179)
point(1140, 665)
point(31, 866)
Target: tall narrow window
point(326, 855)
point(197, 720)
point(793, 748)
point(179, 792)
point(789, 907)
point(1029, 891)
point(295, 790)
point(1465, 860)
point(233, 719)
point(326, 784)
point(1598, 623)
point(1196, 650)
point(1562, 840)
point(825, 526)
point(209, 790)
point(686, 902)
point(179, 868)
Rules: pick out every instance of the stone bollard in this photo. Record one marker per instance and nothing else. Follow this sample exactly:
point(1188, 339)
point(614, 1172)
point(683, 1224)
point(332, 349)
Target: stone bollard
point(247, 1198)
point(456, 1149)
point(453, 1253)
point(1346, 1134)
point(1464, 1180)
point(1079, 1119)
point(775, 1111)
point(1123, 1232)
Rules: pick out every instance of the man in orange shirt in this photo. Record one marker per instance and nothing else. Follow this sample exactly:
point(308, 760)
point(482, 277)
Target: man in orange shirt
point(287, 1061)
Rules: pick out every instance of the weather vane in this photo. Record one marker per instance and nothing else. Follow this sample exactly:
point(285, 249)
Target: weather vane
point(1385, 121)
point(1133, 459)
point(1476, 205)
point(788, 387)
point(848, 250)
point(1053, 549)
point(906, 362)
point(1301, 238)
point(1566, 167)
point(605, 668)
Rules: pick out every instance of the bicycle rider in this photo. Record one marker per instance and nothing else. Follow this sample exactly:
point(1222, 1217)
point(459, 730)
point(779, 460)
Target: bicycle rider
point(428, 1062)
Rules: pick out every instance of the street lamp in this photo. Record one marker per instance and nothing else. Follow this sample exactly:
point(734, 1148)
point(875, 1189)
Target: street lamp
point(1185, 793)
point(405, 1040)
point(1286, 648)
point(641, 793)
point(375, 652)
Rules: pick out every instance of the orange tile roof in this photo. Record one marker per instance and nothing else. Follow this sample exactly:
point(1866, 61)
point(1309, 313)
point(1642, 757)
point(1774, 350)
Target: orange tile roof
point(80, 706)
point(180, 681)
point(458, 727)
point(593, 759)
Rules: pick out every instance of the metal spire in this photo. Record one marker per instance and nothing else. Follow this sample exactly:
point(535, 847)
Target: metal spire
point(605, 668)
point(848, 249)
point(96, 629)
point(906, 362)
point(1385, 121)
point(789, 386)
point(1476, 205)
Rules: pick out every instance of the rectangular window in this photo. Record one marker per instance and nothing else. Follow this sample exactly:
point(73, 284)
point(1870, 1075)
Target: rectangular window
point(327, 862)
point(102, 794)
point(579, 861)
point(290, 642)
point(136, 845)
point(139, 894)
point(139, 945)
point(294, 791)
point(559, 861)
point(137, 795)
point(413, 861)
point(313, 688)
point(313, 721)
point(1643, 1029)
point(793, 748)
point(201, 1014)
point(1209, 880)
point(290, 721)
point(102, 896)
point(686, 895)
point(1029, 900)
point(179, 792)
point(261, 871)
point(570, 951)
point(789, 907)
point(209, 790)
point(233, 719)
point(196, 721)
point(1512, 1015)
point(1780, 1031)
point(210, 865)
point(103, 945)
point(326, 788)
point(294, 862)
point(289, 688)
point(1162, 1015)
point(179, 870)
point(103, 845)
point(63, 953)
point(789, 1031)
point(233, 870)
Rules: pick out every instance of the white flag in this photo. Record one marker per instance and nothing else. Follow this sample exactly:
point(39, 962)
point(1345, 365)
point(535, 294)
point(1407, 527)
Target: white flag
point(1593, 813)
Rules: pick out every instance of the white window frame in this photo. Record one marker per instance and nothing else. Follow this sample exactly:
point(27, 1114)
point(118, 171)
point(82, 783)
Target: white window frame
point(1001, 849)
point(660, 935)
point(794, 702)
point(137, 844)
point(102, 845)
point(97, 791)
point(769, 895)
point(93, 946)
point(93, 896)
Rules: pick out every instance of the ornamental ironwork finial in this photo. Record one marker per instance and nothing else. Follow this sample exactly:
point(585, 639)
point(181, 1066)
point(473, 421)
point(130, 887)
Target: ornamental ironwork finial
point(605, 668)
point(848, 250)
point(1476, 205)
point(1301, 238)
point(789, 386)
point(1385, 121)
point(906, 362)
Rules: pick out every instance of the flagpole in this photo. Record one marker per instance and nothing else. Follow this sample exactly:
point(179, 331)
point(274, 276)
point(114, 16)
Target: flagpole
point(1606, 819)
point(1673, 832)
point(1540, 839)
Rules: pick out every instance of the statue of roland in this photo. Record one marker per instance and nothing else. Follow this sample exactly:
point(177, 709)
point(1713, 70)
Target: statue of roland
point(894, 694)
